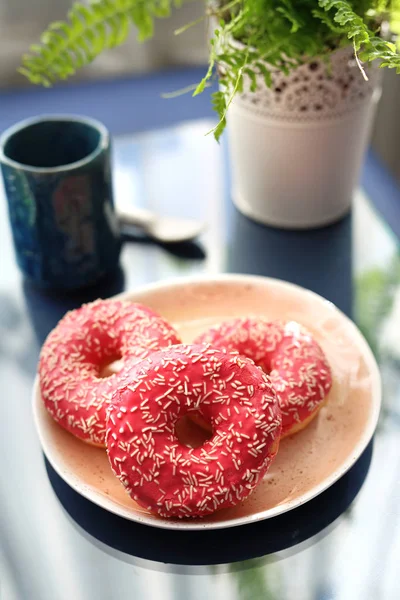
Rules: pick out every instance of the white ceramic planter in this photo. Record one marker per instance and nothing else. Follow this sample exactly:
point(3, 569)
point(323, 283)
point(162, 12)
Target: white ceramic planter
point(296, 149)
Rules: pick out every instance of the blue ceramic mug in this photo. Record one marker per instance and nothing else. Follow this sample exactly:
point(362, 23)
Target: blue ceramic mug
point(57, 178)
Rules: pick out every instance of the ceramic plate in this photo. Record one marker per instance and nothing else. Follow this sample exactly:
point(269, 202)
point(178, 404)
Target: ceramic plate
point(307, 463)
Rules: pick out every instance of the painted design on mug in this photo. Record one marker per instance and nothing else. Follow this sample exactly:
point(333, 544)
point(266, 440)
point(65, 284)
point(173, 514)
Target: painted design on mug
point(73, 215)
point(22, 212)
point(64, 231)
point(23, 208)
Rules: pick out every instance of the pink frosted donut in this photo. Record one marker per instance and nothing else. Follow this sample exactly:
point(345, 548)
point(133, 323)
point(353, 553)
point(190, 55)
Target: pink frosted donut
point(169, 478)
point(295, 362)
point(74, 353)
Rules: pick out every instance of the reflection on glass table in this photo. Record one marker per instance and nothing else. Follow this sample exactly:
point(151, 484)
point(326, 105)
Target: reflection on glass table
point(219, 546)
point(56, 545)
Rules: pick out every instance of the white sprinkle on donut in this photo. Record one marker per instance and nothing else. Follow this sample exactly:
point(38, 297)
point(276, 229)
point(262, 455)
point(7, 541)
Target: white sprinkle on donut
point(297, 366)
point(196, 481)
point(75, 351)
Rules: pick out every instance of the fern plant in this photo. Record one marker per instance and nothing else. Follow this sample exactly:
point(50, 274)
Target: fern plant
point(274, 34)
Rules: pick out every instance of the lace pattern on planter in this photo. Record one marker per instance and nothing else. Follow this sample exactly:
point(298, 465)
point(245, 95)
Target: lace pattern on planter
point(313, 91)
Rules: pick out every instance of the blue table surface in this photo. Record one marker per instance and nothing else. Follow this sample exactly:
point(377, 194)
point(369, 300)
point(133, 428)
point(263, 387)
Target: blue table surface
point(123, 105)
point(54, 545)
point(137, 104)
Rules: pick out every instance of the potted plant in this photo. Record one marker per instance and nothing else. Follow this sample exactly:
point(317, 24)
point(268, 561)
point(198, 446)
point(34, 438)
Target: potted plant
point(298, 82)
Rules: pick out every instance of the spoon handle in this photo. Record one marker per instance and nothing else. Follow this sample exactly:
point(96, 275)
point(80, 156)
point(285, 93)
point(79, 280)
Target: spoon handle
point(136, 217)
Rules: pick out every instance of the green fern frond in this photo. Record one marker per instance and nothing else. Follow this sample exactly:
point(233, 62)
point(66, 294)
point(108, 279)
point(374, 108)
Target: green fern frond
point(371, 46)
point(289, 12)
point(219, 105)
point(103, 24)
point(347, 20)
point(250, 38)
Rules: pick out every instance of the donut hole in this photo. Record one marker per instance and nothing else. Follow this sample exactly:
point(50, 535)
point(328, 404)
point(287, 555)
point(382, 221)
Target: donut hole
point(265, 366)
point(110, 365)
point(192, 430)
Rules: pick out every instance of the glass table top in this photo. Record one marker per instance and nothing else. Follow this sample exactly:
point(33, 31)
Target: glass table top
point(54, 545)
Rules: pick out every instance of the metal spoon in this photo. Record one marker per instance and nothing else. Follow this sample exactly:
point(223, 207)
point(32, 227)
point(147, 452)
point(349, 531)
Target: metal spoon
point(161, 228)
